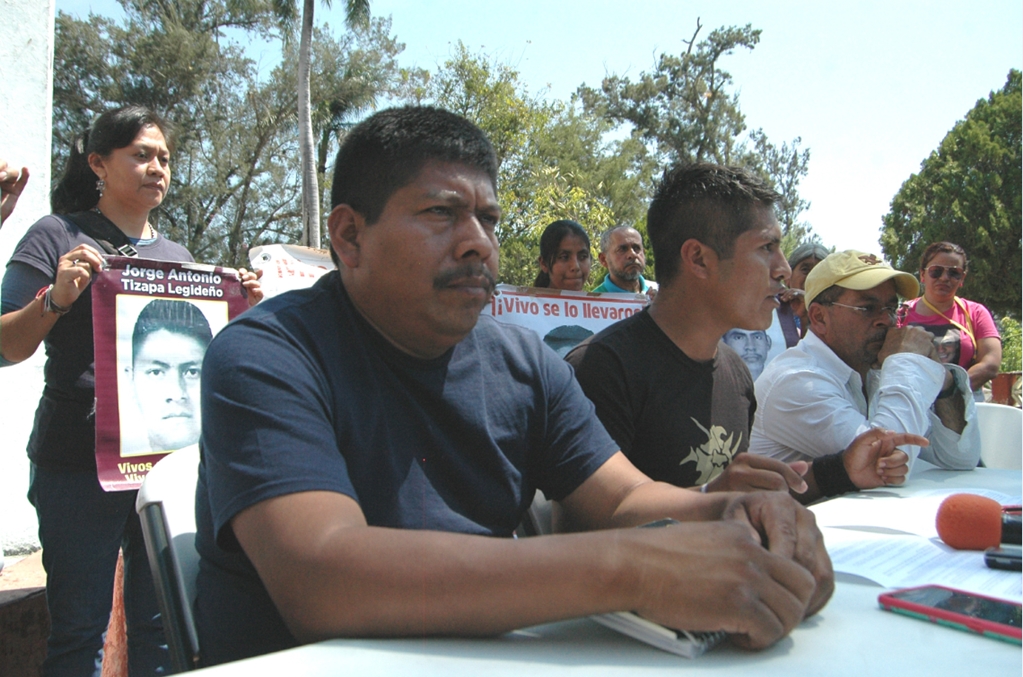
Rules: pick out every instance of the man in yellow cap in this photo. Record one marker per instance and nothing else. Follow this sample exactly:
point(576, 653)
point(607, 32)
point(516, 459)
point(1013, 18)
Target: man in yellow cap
point(856, 370)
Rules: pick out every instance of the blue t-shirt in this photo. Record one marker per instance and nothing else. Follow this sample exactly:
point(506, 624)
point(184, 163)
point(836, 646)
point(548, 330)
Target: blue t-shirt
point(302, 394)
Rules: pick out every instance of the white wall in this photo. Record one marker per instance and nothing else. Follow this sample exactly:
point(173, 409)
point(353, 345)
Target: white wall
point(26, 76)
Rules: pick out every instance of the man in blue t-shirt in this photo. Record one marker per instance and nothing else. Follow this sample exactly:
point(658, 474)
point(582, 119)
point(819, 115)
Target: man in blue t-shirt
point(370, 444)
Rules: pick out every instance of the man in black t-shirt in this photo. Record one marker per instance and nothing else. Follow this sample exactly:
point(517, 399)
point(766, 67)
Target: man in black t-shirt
point(676, 399)
point(368, 442)
point(678, 419)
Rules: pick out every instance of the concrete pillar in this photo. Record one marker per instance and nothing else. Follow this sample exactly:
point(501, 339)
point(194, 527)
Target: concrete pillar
point(26, 110)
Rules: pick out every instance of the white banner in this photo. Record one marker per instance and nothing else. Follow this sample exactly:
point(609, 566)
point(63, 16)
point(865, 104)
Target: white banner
point(561, 318)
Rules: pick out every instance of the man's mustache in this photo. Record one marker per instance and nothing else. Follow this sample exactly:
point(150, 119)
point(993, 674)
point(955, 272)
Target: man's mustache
point(462, 272)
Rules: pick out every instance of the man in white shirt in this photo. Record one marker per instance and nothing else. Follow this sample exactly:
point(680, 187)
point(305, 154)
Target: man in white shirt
point(856, 370)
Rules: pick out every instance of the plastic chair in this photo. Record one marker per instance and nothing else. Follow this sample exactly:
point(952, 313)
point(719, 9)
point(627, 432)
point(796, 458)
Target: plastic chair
point(1001, 436)
point(166, 508)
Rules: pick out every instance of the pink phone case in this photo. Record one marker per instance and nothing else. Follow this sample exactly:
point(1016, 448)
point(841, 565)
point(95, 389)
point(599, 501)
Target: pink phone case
point(1008, 633)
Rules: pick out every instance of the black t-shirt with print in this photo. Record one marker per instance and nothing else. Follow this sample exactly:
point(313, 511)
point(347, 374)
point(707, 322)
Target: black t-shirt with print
point(678, 420)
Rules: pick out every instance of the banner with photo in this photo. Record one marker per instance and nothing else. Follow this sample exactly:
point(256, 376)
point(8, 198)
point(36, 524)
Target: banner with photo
point(561, 318)
point(289, 266)
point(151, 323)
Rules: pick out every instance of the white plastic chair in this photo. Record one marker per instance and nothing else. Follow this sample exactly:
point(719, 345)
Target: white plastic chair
point(166, 508)
point(1001, 436)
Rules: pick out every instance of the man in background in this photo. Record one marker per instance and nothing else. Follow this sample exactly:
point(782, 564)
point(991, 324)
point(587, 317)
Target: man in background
point(678, 402)
point(855, 370)
point(623, 254)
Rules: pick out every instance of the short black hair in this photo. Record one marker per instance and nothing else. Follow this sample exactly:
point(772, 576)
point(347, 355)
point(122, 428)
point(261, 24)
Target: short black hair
point(177, 317)
point(388, 149)
point(706, 202)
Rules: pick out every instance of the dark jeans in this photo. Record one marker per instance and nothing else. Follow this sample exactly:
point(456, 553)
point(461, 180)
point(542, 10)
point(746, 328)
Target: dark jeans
point(81, 528)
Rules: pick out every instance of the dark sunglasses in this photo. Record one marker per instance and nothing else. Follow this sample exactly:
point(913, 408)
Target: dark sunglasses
point(935, 272)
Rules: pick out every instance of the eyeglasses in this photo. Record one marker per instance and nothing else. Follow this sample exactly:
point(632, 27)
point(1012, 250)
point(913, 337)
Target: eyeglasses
point(871, 311)
point(954, 273)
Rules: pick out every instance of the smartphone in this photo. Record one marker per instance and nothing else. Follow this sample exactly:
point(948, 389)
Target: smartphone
point(995, 618)
point(1008, 557)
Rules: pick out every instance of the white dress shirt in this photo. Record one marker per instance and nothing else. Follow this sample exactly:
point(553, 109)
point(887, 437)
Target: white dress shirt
point(810, 403)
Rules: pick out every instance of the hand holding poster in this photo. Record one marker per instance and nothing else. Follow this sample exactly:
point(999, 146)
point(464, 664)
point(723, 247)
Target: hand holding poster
point(561, 318)
point(152, 322)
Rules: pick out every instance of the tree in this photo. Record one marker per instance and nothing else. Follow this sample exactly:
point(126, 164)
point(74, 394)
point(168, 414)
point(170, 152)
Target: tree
point(351, 74)
point(235, 182)
point(556, 197)
point(684, 110)
point(553, 160)
point(356, 15)
point(683, 107)
point(968, 192)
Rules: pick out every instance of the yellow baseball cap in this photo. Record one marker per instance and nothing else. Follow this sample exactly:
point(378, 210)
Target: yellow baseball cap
point(858, 271)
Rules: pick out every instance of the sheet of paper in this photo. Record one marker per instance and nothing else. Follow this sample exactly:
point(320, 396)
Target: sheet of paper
point(908, 514)
point(902, 560)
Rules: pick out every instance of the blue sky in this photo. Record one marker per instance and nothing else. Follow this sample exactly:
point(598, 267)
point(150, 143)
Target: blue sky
point(871, 87)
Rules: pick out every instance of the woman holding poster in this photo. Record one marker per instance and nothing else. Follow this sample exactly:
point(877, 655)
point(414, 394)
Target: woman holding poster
point(118, 171)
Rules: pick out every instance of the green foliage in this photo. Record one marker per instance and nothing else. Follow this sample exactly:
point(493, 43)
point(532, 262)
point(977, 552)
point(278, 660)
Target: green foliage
point(684, 110)
point(235, 181)
point(556, 197)
point(1012, 359)
point(554, 160)
point(683, 106)
point(968, 192)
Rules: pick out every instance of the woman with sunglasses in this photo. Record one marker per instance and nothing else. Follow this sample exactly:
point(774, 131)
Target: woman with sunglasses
point(964, 331)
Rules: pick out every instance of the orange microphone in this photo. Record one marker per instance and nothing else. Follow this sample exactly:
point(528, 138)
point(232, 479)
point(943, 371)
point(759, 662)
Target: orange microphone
point(971, 522)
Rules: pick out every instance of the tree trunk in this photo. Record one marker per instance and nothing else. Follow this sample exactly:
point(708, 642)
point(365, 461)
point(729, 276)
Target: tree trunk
point(310, 189)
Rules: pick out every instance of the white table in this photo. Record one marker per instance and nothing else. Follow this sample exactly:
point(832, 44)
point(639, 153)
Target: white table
point(851, 636)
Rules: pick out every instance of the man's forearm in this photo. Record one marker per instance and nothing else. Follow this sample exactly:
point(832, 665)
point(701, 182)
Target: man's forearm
point(330, 575)
point(605, 501)
point(355, 580)
point(399, 583)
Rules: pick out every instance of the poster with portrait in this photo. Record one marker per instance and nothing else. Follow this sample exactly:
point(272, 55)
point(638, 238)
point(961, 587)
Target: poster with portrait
point(757, 347)
point(152, 322)
point(561, 318)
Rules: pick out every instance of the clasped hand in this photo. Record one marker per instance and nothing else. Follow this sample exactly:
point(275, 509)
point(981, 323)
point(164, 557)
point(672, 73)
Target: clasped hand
point(755, 574)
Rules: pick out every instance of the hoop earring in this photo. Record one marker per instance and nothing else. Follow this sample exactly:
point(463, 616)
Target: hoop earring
point(100, 186)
